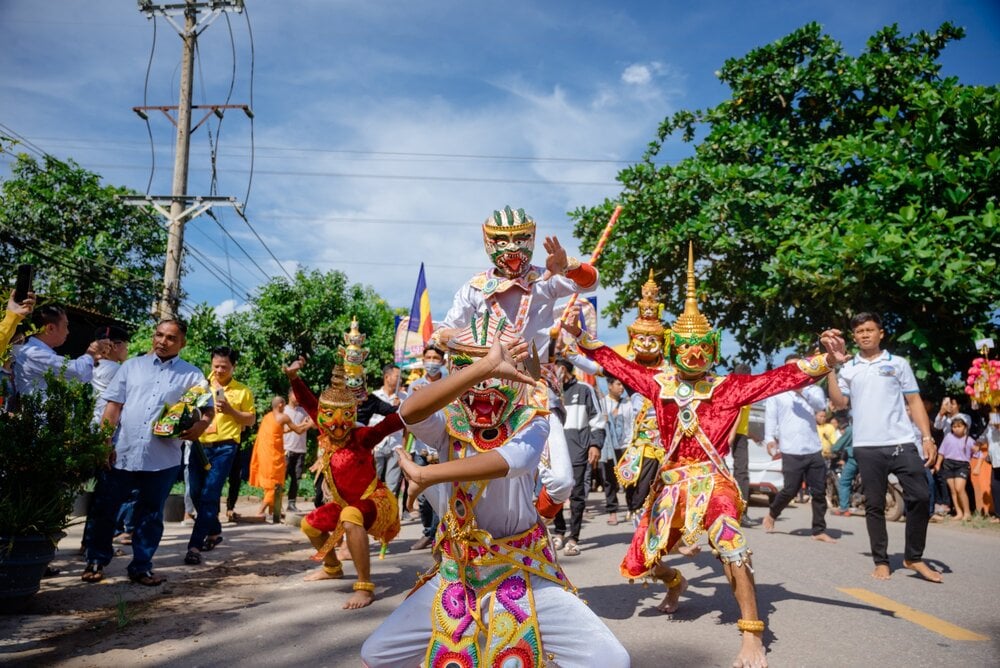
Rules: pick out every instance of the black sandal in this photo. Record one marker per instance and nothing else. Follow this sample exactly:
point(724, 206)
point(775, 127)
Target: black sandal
point(210, 543)
point(192, 558)
point(94, 572)
point(147, 579)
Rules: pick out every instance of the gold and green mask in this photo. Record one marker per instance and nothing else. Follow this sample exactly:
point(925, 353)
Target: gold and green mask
point(509, 238)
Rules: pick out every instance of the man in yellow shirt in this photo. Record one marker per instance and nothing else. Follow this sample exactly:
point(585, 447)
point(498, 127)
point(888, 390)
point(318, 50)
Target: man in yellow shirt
point(16, 312)
point(234, 411)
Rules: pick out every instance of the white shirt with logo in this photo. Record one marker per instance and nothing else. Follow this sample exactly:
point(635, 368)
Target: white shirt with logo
point(877, 388)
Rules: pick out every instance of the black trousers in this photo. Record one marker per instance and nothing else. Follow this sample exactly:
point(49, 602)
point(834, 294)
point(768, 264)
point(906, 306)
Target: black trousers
point(238, 472)
point(812, 469)
point(577, 504)
point(875, 463)
point(995, 490)
point(294, 465)
point(635, 496)
point(611, 482)
point(741, 465)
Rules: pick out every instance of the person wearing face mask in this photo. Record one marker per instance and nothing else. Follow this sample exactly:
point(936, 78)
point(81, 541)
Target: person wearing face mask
point(696, 411)
point(424, 454)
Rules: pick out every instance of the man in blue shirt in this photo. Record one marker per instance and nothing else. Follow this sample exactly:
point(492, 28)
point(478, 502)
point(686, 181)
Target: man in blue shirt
point(37, 355)
point(136, 396)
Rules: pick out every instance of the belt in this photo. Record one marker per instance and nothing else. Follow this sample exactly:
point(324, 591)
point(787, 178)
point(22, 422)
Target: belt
point(230, 441)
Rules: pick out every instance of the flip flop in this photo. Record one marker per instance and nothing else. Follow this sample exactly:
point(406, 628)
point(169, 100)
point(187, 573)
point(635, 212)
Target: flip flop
point(192, 558)
point(571, 550)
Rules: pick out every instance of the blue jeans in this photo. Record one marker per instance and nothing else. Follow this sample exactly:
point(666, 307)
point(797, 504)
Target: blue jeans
point(846, 480)
point(114, 487)
point(206, 491)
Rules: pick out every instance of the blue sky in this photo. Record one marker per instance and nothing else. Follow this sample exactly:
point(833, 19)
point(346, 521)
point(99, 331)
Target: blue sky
point(385, 132)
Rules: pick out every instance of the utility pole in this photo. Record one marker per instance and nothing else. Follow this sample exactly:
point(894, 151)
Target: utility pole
point(169, 300)
point(180, 209)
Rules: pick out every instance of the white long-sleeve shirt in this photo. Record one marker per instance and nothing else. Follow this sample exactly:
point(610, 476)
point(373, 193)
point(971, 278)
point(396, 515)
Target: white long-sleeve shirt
point(790, 419)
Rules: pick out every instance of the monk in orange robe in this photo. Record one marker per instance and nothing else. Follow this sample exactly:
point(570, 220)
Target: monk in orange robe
point(267, 465)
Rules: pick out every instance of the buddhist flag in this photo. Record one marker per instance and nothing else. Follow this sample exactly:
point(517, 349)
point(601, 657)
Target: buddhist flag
point(420, 311)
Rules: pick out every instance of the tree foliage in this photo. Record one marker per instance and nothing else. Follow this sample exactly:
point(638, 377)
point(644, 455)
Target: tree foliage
point(309, 317)
point(826, 185)
point(88, 248)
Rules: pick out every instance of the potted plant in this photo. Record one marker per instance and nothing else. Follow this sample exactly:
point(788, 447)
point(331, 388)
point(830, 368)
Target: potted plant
point(49, 448)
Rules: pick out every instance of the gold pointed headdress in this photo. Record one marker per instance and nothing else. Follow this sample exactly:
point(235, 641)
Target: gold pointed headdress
point(337, 393)
point(691, 322)
point(648, 321)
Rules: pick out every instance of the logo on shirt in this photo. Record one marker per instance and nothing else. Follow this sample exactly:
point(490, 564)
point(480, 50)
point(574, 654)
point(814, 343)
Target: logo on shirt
point(887, 370)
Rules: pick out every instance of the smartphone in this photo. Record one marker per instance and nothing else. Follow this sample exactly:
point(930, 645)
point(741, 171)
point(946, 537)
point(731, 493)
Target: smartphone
point(25, 273)
point(220, 394)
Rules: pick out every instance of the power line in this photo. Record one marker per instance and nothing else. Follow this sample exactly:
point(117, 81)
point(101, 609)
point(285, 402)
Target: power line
point(253, 59)
point(247, 221)
point(145, 117)
point(222, 227)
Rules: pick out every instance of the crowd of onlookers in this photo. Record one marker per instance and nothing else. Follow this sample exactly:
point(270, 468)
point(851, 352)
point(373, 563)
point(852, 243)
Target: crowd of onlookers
point(144, 467)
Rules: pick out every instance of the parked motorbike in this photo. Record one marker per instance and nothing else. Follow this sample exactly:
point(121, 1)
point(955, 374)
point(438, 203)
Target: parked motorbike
point(893, 493)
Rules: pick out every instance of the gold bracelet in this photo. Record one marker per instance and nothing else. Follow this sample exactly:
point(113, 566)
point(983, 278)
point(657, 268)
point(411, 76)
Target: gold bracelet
point(752, 625)
point(370, 586)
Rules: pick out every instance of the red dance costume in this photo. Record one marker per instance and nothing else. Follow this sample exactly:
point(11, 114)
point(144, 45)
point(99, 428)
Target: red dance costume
point(695, 419)
point(352, 479)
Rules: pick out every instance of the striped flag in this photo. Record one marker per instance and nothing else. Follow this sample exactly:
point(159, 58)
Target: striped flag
point(420, 311)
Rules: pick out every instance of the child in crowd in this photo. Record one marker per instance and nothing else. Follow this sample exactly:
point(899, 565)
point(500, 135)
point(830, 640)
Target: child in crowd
point(953, 463)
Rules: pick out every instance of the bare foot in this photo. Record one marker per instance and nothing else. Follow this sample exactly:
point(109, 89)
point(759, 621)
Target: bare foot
point(671, 600)
point(322, 574)
point(923, 570)
point(752, 652)
point(359, 599)
point(343, 553)
point(689, 550)
point(768, 523)
point(824, 538)
point(882, 572)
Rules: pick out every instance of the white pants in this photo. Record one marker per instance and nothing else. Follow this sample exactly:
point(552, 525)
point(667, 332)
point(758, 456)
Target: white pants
point(571, 632)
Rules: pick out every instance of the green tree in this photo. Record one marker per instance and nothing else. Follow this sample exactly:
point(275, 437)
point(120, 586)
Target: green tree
point(308, 317)
point(826, 185)
point(88, 248)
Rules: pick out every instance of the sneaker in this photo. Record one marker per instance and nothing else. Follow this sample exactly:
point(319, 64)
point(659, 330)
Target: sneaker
point(291, 508)
point(557, 542)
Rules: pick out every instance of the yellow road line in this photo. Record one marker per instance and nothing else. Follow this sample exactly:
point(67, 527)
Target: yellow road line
point(930, 622)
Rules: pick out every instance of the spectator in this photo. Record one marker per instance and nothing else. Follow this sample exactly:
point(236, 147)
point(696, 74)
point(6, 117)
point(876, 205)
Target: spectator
point(386, 458)
point(234, 412)
point(877, 384)
point(845, 445)
point(141, 460)
point(620, 418)
point(37, 355)
point(13, 316)
point(991, 437)
point(294, 437)
point(953, 463)
point(424, 454)
point(740, 448)
point(106, 367)
point(949, 410)
point(584, 429)
point(790, 426)
point(267, 464)
point(16, 312)
point(827, 429)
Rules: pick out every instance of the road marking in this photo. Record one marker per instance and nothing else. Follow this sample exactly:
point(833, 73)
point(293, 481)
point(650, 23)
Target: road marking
point(930, 622)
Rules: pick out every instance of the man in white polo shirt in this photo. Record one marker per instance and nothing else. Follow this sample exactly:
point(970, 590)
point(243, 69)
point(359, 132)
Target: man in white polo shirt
point(790, 426)
point(879, 385)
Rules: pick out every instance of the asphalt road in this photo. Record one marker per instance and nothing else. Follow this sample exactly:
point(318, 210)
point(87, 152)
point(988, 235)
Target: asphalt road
point(247, 603)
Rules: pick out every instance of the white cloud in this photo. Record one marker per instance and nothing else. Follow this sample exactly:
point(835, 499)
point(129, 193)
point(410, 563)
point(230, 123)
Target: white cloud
point(637, 75)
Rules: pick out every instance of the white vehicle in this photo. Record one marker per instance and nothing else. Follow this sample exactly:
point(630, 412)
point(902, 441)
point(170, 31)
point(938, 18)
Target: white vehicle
point(765, 470)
